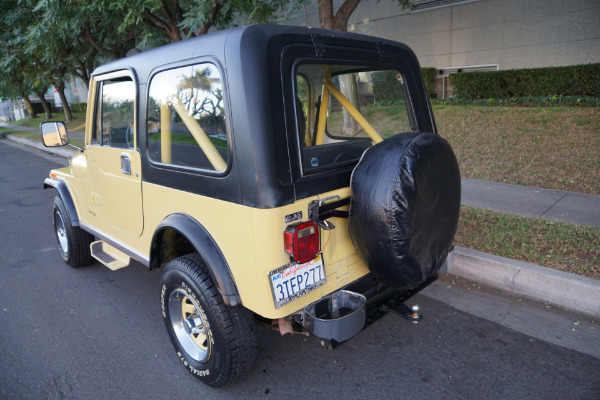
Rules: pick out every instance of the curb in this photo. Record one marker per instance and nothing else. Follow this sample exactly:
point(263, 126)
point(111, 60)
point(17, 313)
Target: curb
point(31, 143)
point(546, 284)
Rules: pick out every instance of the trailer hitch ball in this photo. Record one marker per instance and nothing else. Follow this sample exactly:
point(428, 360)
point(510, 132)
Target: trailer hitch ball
point(415, 313)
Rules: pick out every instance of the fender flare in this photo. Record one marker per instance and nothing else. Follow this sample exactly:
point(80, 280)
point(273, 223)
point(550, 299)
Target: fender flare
point(65, 195)
point(206, 246)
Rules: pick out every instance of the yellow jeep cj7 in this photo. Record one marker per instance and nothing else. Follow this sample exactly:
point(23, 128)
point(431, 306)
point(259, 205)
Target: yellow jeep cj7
point(274, 173)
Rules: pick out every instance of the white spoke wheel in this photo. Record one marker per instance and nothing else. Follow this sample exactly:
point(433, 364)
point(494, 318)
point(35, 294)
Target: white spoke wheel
point(73, 242)
point(61, 234)
point(187, 322)
point(214, 341)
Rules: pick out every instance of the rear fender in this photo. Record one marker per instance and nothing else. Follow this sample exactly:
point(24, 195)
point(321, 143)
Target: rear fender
point(204, 245)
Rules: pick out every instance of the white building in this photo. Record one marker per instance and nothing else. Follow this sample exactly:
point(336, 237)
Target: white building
point(453, 35)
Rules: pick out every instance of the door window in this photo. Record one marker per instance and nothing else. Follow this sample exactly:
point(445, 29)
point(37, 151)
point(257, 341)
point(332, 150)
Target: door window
point(115, 116)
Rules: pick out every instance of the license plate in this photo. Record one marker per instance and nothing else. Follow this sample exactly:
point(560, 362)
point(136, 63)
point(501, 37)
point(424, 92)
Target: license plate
point(295, 280)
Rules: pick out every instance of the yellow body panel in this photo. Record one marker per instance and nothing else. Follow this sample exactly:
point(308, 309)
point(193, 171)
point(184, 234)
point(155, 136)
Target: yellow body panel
point(116, 198)
point(251, 240)
point(342, 263)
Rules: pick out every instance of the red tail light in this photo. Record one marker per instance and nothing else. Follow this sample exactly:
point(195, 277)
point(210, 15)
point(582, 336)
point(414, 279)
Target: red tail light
point(302, 241)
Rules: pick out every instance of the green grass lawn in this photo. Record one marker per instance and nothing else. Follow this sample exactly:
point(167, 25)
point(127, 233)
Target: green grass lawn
point(76, 124)
point(547, 147)
point(558, 245)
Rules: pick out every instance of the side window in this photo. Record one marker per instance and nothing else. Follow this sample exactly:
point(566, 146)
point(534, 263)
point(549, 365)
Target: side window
point(186, 118)
point(344, 109)
point(115, 116)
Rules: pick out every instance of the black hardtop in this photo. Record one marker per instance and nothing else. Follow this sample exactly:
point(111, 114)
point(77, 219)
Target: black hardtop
point(245, 38)
point(257, 69)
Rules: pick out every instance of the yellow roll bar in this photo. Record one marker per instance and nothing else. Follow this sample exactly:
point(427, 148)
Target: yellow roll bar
point(364, 124)
point(307, 136)
point(329, 87)
point(201, 137)
point(322, 116)
point(165, 134)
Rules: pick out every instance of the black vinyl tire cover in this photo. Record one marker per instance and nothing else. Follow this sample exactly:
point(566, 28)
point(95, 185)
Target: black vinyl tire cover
point(405, 207)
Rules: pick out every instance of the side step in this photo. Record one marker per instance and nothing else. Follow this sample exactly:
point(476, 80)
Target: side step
point(109, 256)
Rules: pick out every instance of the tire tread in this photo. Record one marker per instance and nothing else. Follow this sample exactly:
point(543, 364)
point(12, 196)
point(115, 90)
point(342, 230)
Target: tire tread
point(236, 324)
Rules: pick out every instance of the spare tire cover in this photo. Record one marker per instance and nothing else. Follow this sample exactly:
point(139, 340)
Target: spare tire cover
point(405, 206)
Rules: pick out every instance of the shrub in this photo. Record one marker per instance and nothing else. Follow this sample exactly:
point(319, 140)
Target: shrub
point(79, 107)
point(529, 101)
point(37, 107)
point(429, 75)
point(577, 80)
point(387, 88)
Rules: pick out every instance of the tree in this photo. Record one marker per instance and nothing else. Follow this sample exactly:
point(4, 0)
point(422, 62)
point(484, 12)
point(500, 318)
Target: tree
point(90, 22)
point(22, 71)
point(339, 21)
point(181, 19)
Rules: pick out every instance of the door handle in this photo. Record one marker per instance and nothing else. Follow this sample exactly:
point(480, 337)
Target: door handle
point(125, 164)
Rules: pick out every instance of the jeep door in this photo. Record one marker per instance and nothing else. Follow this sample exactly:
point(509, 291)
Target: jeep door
point(114, 161)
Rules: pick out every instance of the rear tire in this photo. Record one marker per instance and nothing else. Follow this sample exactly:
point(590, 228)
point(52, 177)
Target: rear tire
point(215, 342)
point(73, 242)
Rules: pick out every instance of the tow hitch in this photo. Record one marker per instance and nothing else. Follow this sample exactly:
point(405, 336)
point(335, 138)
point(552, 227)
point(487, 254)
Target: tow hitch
point(411, 314)
point(343, 314)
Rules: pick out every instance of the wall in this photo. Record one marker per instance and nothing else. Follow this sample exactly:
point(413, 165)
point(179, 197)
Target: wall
point(509, 33)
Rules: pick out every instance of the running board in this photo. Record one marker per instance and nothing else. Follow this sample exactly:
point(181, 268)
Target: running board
point(109, 256)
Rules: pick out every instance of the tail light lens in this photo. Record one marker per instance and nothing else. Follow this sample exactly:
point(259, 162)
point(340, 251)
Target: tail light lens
point(302, 241)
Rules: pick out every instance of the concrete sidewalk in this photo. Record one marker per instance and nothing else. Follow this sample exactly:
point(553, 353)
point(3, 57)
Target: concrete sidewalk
point(554, 205)
point(545, 284)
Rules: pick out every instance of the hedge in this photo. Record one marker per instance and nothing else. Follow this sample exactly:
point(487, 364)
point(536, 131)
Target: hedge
point(577, 80)
point(529, 101)
point(38, 108)
point(387, 88)
point(79, 107)
point(75, 107)
point(429, 75)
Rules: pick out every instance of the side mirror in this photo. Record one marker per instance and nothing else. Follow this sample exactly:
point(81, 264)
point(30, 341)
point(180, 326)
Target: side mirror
point(54, 134)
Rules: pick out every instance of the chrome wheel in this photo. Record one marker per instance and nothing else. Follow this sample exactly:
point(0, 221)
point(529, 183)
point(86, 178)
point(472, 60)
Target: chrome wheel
point(189, 325)
point(61, 233)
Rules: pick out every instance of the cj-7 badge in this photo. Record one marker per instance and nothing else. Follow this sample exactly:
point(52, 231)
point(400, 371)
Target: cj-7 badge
point(293, 217)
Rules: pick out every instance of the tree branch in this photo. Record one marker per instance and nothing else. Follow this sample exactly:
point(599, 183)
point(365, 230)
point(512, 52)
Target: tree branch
point(326, 14)
point(87, 33)
point(213, 18)
point(340, 21)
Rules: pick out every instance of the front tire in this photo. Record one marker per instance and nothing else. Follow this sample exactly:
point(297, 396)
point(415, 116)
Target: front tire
point(215, 342)
point(73, 242)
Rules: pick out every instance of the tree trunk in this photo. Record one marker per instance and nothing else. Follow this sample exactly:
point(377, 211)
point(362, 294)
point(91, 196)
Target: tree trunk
point(45, 104)
point(339, 21)
point(28, 106)
point(60, 87)
point(348, 86)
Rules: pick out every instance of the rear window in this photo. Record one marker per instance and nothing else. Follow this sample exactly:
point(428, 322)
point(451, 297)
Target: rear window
point(344, 109)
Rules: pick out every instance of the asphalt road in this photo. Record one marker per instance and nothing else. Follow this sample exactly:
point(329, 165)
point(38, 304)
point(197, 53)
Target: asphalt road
point(93, 333)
